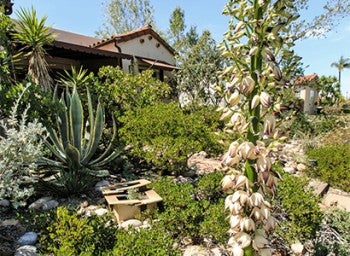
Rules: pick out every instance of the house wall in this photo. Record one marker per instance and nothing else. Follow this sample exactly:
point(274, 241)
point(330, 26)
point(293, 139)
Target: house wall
point(144, 46)
point(309, 95)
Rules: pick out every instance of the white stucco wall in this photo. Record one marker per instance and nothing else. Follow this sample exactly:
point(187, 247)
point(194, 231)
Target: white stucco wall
point(150, 48)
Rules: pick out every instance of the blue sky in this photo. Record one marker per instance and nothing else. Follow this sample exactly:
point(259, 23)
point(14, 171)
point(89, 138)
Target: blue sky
point(86, 17)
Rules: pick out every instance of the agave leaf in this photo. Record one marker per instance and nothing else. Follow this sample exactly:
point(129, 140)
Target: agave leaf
point(100, 173)
point(96, 133)
point(76, 120)
point(88, 130)
point(60, 155)
point(110, 145)
point(57, 143)
point(73, 157)
point(48, 162)
point(63, 124)
point(103, 162)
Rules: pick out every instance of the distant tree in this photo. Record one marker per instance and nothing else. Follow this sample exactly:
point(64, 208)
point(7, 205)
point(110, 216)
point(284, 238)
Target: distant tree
point(125, 15)
point(198, 70)
point(329, 90)
point(340, 65)
point(33, 34)
point(333, 12)
point(177, 27)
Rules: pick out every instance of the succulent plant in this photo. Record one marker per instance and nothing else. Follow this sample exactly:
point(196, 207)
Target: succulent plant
point(75, 142)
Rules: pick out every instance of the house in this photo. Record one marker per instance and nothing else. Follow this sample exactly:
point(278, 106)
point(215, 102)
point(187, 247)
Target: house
point(148, 48)
point(306, 89)
point(134, 51)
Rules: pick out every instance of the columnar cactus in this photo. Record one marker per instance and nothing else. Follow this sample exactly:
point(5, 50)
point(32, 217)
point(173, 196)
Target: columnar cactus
point(258, 31)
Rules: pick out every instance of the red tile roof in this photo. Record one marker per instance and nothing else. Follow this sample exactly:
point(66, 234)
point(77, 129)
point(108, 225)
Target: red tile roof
point(134, 34)
point(306, 79)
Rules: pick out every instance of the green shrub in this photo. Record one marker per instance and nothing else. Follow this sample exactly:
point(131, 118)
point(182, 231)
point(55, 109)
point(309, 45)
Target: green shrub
point(334, 238)
point(165, 136)
point(208, 186)
point(66, 233)
point(215, 224)
point(333, 165)
point(190, 212)
point(145, 242)
point(123, 91)
point(296, 208)
point(182, 212)
point(20, 148)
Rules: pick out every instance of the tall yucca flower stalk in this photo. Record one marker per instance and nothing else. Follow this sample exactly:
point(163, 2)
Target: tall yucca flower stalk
point(258, 32)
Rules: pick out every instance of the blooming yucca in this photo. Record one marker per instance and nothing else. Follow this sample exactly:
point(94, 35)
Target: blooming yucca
point(253, 80)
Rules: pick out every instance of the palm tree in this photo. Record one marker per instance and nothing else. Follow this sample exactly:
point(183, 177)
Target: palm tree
point(32, 33)
point(340, 65)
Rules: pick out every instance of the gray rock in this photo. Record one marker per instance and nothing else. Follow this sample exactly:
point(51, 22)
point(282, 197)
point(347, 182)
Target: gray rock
point(130, 223)
point(26, 250)
point(337, 198)
point(38, 204)
point(29, 238)
point(4, 203)
point(319, 188)
point(49, 205)
point(297, 248)
point(101, 211)
point(289, 170)
point(195, 250)
point(101, 185)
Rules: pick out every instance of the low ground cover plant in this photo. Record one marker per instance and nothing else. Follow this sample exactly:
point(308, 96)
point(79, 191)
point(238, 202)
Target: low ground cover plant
point(333, 238)
point(332, 165)
point(296, 209)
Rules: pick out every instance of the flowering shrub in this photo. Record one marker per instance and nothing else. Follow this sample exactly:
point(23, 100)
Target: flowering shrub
point(20, 148)
point(258, 32)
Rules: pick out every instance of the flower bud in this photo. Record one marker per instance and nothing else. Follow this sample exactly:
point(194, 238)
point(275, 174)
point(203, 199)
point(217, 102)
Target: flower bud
point(265, 212)
point(234, 99)
point(256, 199)
point(236, 208)
point(243, 239)
point(247, 224)
point(228, 113)
point(263, 163)
point(269, 125)
point(270, 223)
point(253, 51)
point(277, 107)
point(239, 26)
point(269, 55)
point(235, 220)
point(247, 150)
point(232, 150)
point(228, 182)
point(259, 242)
point(265, 99)
point(240, 182)
point(237, 251)
point(277, 73)
point(255, 101)
point(247, 85)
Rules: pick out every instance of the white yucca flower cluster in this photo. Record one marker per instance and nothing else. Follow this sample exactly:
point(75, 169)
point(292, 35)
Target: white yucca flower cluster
point(248, 209)
point(253, 81)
